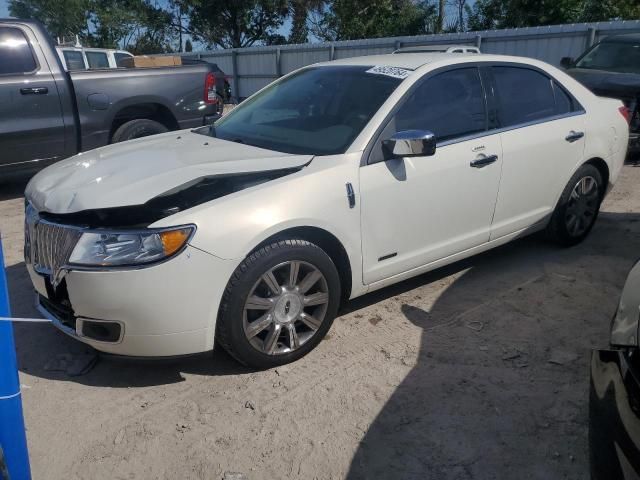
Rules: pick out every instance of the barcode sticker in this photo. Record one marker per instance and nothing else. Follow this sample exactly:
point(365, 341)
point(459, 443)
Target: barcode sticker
point(394, 72)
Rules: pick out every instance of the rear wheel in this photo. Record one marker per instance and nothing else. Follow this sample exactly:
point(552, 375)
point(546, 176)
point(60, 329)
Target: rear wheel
point(279, 304)
point(138, 128)
point(578, 207)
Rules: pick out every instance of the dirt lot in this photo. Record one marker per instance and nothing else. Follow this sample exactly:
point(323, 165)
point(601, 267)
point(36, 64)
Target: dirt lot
point(479, 370)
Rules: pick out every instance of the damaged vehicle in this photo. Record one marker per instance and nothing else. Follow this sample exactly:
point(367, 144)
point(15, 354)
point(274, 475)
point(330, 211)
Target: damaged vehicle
point(614, 400)
point(611, 68)
point(336, 180)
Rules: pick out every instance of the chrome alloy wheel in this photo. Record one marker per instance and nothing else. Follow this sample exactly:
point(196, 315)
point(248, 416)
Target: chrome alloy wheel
point(285, 307)
point(583, 206)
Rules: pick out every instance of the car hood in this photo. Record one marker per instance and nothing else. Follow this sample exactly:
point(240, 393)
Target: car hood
point(609, 84)
point(134, 172)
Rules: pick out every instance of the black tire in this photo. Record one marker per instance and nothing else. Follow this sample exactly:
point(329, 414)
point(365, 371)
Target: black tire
point(139, 128)
point(560, 228)
point(230, 332)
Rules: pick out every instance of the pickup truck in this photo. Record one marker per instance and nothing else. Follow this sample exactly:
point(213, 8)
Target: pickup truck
point(47, 113)
point(611, 68)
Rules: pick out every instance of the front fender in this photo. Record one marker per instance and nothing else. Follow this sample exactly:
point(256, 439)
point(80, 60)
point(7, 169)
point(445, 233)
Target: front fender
point(231, 227)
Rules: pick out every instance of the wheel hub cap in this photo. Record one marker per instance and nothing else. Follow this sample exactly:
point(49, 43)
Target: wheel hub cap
point(288, 307)
point(583, 206)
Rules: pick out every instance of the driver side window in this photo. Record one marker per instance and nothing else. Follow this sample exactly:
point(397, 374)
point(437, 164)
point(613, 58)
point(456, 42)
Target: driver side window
point(450, 104)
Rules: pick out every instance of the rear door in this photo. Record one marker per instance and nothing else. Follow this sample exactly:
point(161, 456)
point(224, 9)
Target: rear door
point(31, 124)
point(543, 130)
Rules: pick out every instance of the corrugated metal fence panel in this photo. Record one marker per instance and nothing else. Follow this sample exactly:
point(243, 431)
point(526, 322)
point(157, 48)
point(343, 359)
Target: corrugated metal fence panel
point(293, 59)
point(258, 66)
point(223, 60)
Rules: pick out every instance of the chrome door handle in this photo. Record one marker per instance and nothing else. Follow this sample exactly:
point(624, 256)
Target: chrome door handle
point(34, 91)
point(574, 136)
point(483, 161)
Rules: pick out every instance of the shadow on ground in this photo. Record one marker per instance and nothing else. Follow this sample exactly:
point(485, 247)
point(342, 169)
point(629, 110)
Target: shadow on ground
point(517, 327)
point(13, 188)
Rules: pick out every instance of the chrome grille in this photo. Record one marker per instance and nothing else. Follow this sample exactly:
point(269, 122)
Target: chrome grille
point(48, 246)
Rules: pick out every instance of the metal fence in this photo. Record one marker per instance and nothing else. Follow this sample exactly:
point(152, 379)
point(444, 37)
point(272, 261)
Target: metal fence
point(253, 68)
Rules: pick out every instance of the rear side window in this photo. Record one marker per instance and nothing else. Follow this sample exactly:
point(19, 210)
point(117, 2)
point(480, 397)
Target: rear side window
point(97, 59)
point(450, 104)
point(524, 95)
point(564, 103)
point(15, 54)
point(74, 60)
point(120, 57)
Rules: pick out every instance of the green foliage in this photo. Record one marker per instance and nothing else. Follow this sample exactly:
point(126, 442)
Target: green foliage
point(63, 18)
point(355, 19)
point(235, 24)
point(487, 14)
point(153, 26)
point(136, 25)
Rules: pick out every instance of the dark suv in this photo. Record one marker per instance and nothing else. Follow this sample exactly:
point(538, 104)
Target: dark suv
point(611, 68)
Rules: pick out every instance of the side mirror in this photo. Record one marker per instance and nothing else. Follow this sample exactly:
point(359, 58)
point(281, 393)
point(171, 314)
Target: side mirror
point(410, 143)
point(567, 62)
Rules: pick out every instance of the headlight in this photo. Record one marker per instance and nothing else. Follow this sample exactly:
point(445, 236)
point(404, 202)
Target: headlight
point(128, 248)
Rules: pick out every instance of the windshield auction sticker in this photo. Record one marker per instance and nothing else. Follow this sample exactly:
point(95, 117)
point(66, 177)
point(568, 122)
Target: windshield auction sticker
point(394, 72)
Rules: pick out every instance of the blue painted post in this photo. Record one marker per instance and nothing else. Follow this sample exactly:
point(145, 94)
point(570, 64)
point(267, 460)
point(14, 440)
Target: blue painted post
point(13, 439)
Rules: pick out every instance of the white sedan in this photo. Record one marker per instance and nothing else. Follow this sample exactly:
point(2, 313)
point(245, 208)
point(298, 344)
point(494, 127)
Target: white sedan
point(336, 180)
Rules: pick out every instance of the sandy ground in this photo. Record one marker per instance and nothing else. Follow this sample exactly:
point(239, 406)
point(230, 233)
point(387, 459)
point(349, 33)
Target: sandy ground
point(479, 370)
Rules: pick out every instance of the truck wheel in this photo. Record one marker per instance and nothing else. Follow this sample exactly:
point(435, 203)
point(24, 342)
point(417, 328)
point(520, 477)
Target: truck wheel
point(279, 304)
point(136, 129)
point(578, 207)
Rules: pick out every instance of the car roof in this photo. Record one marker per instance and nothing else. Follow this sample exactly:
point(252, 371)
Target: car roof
point(409, 61)
point(626, 38)
point(432, 48)
point(413, 61)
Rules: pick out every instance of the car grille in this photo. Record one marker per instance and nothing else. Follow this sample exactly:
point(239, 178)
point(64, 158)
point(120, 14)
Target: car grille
point(61, 311)
point(48, 246)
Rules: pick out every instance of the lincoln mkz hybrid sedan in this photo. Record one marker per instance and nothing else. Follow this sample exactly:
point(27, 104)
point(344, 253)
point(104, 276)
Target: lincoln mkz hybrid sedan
point(338, 179)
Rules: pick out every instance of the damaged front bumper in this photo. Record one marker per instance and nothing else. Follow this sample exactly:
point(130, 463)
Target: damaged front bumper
point(168, 309)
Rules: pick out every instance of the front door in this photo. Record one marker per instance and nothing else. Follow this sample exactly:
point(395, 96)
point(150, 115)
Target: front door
point(31, 124)
point(422, 209)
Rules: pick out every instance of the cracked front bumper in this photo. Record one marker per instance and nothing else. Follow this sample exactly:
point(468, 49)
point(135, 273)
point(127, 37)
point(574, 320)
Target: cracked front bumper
point(168, 309)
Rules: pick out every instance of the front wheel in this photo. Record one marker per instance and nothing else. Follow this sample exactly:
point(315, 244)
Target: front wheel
point(578, 207)
point(279, 304)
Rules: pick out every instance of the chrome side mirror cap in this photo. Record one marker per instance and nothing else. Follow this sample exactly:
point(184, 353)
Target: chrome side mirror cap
point(410, 143)
point(625, 326)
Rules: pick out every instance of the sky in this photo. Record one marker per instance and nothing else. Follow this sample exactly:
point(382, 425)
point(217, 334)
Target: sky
point(4, 10)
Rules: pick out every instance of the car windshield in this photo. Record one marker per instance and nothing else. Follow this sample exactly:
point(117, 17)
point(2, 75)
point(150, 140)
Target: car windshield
point(623, 57)
point(317, 111)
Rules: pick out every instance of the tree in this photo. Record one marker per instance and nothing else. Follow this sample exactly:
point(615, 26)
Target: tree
point(236, 24)
point(136, 25)
point(441, 14)
point(299, 11)
point(356, 19)
point(62, 18)
point(487, 14)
